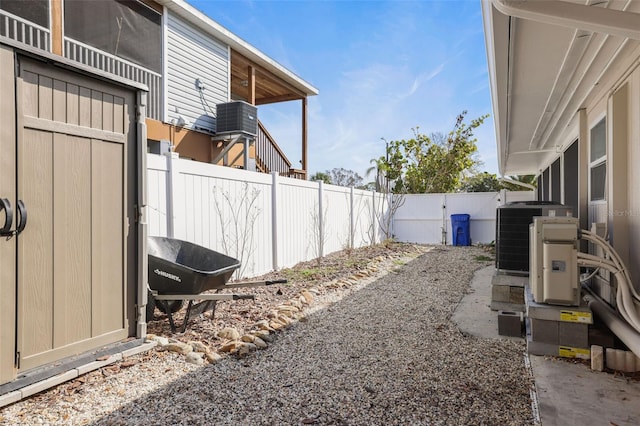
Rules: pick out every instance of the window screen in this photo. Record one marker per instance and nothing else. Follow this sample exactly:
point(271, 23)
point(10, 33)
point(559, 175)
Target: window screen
point(36, 11)
point(571, 177)
point(599, 140)
point(555, 181)
point(545, 185)
point(123, 28)
point(598, 181)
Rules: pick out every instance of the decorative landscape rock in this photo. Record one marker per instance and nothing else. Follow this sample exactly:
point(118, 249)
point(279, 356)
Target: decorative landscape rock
point(246, 348)
point(248, 338)
point(162, 341)
point(264, 335)
point(308, 297)
point(179, 347)
point(199, 346)
point(229, 333)
point(275, 325)
point(230, 347)
point(195, 358)
point(287, 308)
point(212, 357)
point(261, 344)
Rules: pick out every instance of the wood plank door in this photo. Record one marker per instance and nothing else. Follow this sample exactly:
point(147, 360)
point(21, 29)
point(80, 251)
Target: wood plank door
point(75, 168)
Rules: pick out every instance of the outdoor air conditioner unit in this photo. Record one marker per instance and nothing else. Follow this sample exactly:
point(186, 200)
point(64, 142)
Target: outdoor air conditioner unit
point(237, 117)
point(554, 273)
point(512, 231)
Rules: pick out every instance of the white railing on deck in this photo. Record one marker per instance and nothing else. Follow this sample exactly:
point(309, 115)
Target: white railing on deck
point(23, 31)
point(106, 62)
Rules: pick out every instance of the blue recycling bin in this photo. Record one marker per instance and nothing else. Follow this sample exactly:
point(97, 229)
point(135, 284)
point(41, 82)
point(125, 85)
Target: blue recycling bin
point(461, 231)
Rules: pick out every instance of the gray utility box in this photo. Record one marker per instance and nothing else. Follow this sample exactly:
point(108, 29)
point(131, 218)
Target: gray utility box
point(237, 117)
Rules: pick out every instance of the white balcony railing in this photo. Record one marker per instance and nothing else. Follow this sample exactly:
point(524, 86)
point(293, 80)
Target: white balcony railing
point(106, 62)
point(16, 28)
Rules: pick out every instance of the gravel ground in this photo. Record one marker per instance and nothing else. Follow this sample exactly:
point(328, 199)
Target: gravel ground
point(380, 352)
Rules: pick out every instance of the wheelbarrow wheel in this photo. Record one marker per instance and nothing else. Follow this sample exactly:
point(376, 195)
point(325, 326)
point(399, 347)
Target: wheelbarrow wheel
point(173, 305)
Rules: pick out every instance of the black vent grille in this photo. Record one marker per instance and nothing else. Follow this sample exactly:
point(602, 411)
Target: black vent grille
point(512, 231)
point(237, 117)
point(512, 237)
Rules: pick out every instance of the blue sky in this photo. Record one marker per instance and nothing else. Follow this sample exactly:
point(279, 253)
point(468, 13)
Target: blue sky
point(382, 68)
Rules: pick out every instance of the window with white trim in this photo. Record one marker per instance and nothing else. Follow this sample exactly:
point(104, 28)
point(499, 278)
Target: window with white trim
point(598, 161)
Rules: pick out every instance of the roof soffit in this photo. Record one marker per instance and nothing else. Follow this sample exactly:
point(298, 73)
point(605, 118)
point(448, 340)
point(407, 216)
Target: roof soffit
point(548, 79)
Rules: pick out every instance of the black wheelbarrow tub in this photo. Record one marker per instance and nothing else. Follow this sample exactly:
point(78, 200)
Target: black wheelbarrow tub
point(181, 267)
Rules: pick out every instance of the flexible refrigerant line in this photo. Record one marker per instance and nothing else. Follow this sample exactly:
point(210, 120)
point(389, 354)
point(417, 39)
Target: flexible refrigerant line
point(627, 299)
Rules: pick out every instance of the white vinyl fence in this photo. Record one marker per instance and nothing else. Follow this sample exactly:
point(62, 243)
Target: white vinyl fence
point(426, 218)
point(266, 221)
point(270, 222)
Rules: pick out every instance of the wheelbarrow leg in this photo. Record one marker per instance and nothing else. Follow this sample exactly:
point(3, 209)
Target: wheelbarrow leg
point(165, 305)
point(186, 316)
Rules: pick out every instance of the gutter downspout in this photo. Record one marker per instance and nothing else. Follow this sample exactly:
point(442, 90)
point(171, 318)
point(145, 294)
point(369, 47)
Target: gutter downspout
point(628, 335)
point(572, 15)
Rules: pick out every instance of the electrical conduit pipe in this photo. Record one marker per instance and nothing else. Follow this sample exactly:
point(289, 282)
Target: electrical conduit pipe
point(628, 335)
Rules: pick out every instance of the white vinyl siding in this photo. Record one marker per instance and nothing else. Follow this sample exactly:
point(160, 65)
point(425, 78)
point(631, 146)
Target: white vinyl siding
point(193, 55)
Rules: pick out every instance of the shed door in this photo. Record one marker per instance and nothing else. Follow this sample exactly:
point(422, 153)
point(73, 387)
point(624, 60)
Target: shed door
point(75, 153)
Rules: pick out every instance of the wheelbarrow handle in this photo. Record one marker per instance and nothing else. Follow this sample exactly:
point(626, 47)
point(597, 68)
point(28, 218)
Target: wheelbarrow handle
point(270, 282)
point(244, 297)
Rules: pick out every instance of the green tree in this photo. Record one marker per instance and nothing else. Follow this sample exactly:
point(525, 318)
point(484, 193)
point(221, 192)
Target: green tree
point(435, 163)
point(321, 177)
point(344, 177)
point(481, 182)
point(339, 176)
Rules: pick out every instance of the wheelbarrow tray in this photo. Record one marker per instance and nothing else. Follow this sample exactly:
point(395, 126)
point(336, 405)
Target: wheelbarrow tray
point(181, 267)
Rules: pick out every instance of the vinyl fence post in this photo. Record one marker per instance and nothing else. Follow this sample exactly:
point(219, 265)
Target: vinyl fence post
point(502, 197)
point(274, 220)
point(374, 222)
point(352, 222)
point(320, 220)
point(172, 181)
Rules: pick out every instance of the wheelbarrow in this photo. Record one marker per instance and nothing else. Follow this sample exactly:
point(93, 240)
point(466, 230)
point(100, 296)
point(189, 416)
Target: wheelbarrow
point(180, 271)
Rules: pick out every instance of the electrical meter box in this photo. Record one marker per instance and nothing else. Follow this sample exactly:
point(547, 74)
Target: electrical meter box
point(553, 255)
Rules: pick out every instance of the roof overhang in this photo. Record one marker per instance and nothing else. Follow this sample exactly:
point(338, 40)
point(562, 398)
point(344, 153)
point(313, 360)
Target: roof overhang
point(274, 83)
point(546, 59)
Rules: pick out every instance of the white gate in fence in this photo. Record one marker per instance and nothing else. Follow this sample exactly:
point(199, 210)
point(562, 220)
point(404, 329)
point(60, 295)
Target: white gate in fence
point(426, 218)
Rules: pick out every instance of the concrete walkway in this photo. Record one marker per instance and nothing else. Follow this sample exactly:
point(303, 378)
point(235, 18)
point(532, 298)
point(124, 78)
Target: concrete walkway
point(567, 393)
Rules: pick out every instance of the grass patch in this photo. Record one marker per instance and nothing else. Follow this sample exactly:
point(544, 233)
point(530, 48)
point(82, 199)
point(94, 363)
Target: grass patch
point(483, 258)
point(308, 274)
